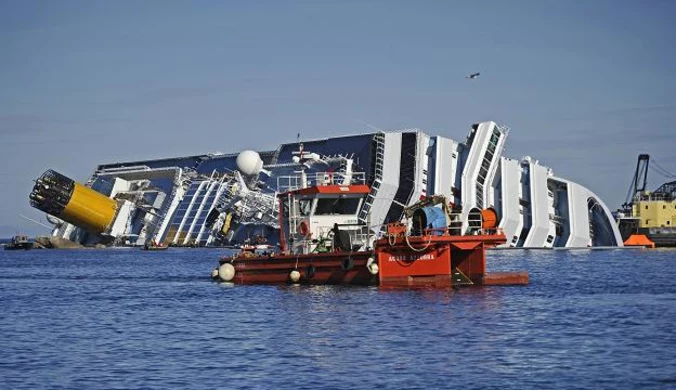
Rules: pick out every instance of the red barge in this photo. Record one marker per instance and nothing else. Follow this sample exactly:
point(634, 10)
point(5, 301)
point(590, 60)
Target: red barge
point(323, 242)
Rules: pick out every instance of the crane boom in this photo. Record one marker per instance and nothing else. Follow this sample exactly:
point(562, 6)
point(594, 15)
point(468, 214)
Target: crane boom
point(640, 173)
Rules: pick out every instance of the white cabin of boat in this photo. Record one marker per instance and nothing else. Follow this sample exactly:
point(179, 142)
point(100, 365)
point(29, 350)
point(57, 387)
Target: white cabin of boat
point(321, 215)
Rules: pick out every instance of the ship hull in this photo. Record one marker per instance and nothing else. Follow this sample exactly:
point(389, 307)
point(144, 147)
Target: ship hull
point(314, 269)
point(661, 240)
point(427, 261)
point(154, 248)
point(662, 237)
point(15, 247)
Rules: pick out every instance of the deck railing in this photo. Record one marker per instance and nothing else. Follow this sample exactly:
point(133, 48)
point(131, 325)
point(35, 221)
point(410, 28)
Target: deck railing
point(295, 182)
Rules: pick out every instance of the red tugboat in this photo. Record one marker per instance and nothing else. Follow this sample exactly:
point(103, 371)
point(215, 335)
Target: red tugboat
point(322, 242)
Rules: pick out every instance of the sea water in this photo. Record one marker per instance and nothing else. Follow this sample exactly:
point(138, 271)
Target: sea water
point(131, 319)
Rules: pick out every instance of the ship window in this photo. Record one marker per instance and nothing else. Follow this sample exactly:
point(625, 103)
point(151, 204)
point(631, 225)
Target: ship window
point(646, 207)
point(668, 223)
point(328, 206)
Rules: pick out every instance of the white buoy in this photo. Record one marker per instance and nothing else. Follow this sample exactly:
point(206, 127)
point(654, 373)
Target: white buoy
point(372, 266)
point(226, 272)
point(214, 273)
point(294, 276)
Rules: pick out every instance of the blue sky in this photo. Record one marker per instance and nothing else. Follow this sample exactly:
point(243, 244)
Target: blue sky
point(585, 86)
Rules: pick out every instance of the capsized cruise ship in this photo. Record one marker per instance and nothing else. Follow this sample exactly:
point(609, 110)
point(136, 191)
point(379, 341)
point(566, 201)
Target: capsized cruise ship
point(228, 199)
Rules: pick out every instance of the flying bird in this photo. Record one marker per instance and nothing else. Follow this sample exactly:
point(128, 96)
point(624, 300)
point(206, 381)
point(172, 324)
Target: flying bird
point(473, 75)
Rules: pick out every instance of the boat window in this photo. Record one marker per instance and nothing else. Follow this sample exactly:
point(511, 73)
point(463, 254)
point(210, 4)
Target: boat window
point(305, 206)
point(328, 206)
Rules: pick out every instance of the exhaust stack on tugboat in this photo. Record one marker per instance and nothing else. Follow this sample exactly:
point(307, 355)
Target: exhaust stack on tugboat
point(322, 240)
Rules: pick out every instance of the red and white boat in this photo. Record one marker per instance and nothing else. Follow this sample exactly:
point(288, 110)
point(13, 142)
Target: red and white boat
point(323, 241)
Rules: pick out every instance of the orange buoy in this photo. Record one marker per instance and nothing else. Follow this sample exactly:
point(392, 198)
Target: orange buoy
point(489, 218)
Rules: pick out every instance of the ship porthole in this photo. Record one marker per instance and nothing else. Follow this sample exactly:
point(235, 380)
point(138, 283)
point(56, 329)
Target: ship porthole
point(347, 264)
point(310, 271)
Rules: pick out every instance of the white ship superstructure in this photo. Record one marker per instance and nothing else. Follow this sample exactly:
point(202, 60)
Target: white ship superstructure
point(219, 199)
point(482, 157)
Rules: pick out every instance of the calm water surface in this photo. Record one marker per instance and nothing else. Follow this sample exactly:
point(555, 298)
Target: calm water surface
point(129, 319)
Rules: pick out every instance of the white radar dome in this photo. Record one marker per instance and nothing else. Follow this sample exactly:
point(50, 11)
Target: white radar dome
point(249, 163)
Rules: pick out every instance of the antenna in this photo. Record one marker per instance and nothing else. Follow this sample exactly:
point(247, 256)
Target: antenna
point(368, 125)
point(39, 223)
point(300, 147)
